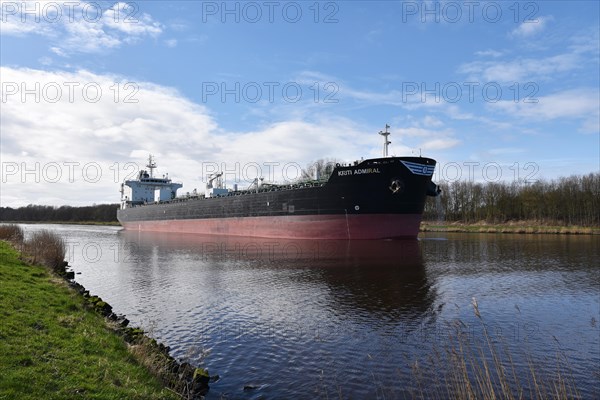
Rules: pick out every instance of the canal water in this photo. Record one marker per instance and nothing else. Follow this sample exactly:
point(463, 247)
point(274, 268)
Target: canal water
point(365, 319)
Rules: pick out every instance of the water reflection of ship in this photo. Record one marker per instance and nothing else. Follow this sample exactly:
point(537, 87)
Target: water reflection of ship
point(387, 275)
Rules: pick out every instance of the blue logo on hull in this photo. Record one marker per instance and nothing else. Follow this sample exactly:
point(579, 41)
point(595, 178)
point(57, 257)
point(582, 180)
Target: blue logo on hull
point(419, 169)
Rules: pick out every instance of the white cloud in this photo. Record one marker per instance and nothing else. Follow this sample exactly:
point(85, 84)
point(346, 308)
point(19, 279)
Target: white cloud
point(171, 43)
point(427, 134)
point(89, 131)
point(16, 23)
point(439, 144)
point(87, 38)
point(489, 53)
point(506, 150)
point(531, 27)
point(75, 133)
point(45, 61)
point(408, 94)
point(82, 27)
point(586, 42)
point(414, 132)
point(16, 28)
point(58, 51)
point(432, 122)
point(581, 104)
point(520, 70)
point(125, 17)
point(580, 53)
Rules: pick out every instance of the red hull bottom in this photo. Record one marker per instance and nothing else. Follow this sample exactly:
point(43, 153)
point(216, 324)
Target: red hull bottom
point(373, 226)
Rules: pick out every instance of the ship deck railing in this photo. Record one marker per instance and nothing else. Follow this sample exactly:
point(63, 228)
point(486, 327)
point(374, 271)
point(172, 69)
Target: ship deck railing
point(272, 188)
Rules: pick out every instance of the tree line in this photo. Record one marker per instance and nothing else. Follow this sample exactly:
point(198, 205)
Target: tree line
point(37, 213)
point(573, 200)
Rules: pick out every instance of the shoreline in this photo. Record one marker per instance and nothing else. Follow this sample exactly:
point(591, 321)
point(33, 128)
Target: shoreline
point(521, 227)
point(98, 223)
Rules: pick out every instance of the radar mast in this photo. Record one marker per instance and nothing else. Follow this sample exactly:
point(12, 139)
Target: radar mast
point(151, 165)
point(386, 142)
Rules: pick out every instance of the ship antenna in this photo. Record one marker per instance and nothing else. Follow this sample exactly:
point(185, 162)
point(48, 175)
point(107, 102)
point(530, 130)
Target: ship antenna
point(386, 142)
point(151, 164)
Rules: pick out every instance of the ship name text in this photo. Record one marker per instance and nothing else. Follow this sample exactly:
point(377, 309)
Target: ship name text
point(359, 171)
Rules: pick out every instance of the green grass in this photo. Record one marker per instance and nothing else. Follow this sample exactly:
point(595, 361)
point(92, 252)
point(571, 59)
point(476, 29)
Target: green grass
point(51, 347)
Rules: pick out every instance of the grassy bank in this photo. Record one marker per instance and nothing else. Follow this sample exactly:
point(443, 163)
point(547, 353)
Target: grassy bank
point(515, 227)
point(51, 346)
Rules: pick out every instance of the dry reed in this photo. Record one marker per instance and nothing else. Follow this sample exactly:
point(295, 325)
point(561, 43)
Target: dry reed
point(483, 368)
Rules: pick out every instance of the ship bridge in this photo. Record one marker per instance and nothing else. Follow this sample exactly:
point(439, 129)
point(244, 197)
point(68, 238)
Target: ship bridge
point(147, 188)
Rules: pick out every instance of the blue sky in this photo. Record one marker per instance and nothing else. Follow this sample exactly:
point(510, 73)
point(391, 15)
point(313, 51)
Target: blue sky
point(492, 90)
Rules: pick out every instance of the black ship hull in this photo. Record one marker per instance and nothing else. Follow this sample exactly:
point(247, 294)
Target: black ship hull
point(374, 199)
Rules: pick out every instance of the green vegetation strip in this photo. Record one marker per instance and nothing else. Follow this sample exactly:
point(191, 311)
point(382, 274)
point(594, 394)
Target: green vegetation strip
point(52, 347)
point(510, 228)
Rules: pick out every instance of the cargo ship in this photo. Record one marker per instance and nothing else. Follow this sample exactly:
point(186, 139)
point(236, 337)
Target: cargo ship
point(379, 198)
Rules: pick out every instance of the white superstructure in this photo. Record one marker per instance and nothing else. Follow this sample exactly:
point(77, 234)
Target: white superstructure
point(147, 188)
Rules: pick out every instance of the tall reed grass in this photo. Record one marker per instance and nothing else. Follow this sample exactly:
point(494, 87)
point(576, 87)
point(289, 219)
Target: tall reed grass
point(12, 233)
point(46, 248)
point(484, 368)
point(42, 247)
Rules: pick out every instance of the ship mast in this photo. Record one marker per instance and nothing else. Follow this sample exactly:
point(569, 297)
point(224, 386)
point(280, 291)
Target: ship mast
point(386, 142)
point(151, 164)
